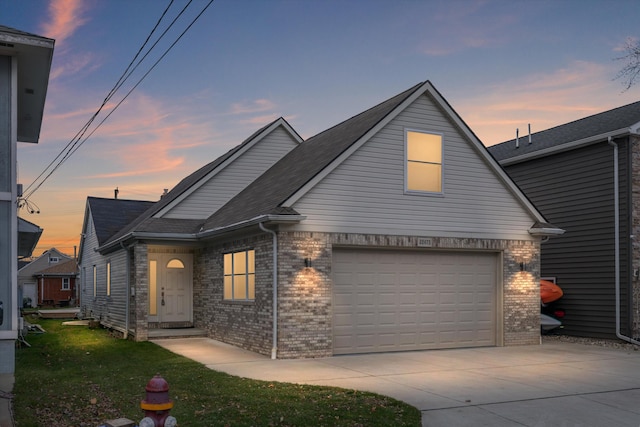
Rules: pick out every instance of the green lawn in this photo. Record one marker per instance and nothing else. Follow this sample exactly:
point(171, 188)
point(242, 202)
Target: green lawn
point(76, 376)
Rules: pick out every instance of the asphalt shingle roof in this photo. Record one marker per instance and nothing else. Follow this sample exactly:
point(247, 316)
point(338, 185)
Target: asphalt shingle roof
point(65, 268)
point(265, 195)
point(146, 223)
point(597, 124)
point(111, 215)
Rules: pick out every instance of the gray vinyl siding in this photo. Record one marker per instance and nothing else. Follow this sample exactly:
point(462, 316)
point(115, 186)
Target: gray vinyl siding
point(365, 194)
point(574, 191)
point(115, 304)
point(110, 310)
point(228, 182)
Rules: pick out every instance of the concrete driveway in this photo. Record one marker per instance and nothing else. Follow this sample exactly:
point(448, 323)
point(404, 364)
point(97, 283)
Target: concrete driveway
point(557, 384)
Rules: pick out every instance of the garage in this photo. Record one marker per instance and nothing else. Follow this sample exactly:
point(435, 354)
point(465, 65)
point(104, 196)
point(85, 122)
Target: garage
point(395, 300)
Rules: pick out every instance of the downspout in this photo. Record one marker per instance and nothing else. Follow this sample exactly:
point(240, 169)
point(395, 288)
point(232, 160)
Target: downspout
point(274, 347)
point(616, 204)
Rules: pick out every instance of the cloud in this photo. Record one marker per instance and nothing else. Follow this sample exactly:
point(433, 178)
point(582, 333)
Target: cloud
point(66, 18)
point(256, 106)
point(543, 100)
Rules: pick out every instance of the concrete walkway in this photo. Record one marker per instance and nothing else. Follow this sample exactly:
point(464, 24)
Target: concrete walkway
point(557, 384)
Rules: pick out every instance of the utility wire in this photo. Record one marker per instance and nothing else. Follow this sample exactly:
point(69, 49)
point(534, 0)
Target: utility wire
point(113, 90)
point(80, 138)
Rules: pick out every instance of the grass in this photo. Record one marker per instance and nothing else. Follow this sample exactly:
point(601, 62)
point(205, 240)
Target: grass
point(76, 376)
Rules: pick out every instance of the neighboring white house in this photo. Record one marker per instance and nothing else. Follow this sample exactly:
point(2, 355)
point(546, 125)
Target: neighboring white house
point(393, 230)
point(25, 62)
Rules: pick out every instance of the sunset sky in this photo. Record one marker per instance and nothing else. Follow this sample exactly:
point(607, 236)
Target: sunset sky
point(500, 64)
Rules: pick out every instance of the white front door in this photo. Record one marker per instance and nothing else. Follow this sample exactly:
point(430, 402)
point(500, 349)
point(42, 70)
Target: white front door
point(170, 287)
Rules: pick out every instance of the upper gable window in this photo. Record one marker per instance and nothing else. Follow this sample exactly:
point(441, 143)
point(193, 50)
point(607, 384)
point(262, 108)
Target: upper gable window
point(424, 162)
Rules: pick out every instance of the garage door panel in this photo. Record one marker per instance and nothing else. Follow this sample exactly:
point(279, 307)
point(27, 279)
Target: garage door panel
point(405, 300)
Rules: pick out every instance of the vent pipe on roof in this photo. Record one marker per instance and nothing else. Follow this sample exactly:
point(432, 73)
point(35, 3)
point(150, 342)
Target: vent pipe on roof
point(517, 138)
point(529, 133)
point(115, 193)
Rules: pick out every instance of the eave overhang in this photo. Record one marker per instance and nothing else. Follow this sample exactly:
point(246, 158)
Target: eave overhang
point(201, 235)
point(572, 145)
point(34, 55)
point(543, 229)
point(271, 219)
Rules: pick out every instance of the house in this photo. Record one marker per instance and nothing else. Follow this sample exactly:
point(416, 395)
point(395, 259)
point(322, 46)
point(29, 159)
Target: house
point(393, 230)
point(57, 284)
point(25, 62)
point(571, 173)
point(28, 237)
point(28, 290)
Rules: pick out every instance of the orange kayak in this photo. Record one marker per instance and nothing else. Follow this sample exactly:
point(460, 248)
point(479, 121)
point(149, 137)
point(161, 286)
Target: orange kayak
point(549, 291)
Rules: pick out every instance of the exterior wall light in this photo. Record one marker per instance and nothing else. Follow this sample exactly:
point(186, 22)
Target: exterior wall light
point(307, 262)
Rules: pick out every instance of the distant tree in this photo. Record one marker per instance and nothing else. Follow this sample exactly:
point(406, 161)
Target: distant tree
point(631, 71)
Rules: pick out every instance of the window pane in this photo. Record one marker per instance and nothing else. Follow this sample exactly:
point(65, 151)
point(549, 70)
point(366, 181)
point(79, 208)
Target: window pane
point(153, 286)
point(239, 287)
point(175, 263)
point(424, 177)
point(228, 287)
point(239, 263)
point(252, 286)
point(251, 261)
point(228, 264)
point(108, 278)
point(424, 147)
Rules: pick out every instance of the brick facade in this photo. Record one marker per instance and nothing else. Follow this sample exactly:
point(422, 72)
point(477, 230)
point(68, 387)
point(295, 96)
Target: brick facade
point(305, 295)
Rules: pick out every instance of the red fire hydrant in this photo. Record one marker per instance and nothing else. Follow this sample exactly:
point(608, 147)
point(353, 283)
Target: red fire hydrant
point(157, 404)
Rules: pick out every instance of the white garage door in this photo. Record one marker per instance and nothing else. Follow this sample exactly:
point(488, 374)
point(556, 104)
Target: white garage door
point(389, 300)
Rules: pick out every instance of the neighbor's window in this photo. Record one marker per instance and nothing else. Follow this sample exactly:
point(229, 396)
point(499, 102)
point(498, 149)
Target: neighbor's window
point(239, 276)
point(108, 278)
point(424, 162)
point(65, 284)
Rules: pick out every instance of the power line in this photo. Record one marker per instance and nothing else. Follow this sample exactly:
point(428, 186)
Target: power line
point(80, 137)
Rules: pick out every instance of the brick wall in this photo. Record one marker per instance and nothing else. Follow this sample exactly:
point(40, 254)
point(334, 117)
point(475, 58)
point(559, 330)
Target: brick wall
point(305, 294)
point(141, 298)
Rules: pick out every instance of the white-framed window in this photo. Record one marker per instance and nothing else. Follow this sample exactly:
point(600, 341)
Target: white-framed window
point(65, 284)
point(108, 267)
point(95, 281)
point(54, 259)
point(239, 276)
point(424, 161)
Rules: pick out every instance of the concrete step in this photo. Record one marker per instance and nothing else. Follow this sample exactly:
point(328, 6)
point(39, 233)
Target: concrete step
point(176, 333)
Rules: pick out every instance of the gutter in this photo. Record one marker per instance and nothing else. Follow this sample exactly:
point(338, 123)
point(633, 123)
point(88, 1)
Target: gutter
point(616, 199)
point(258, 220)
point(274, 346)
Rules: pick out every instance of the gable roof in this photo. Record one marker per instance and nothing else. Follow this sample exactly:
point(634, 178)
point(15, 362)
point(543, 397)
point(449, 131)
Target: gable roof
point(111, 215)
point(66, 268)
point(147, 221)
point(277, 189)
point(270, 197)
point(596, 128)
point(266, 194)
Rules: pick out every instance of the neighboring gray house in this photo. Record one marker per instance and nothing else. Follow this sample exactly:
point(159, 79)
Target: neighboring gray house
point(25, 62)
point(569, 173)
point(27, 280)
point(393, 230)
